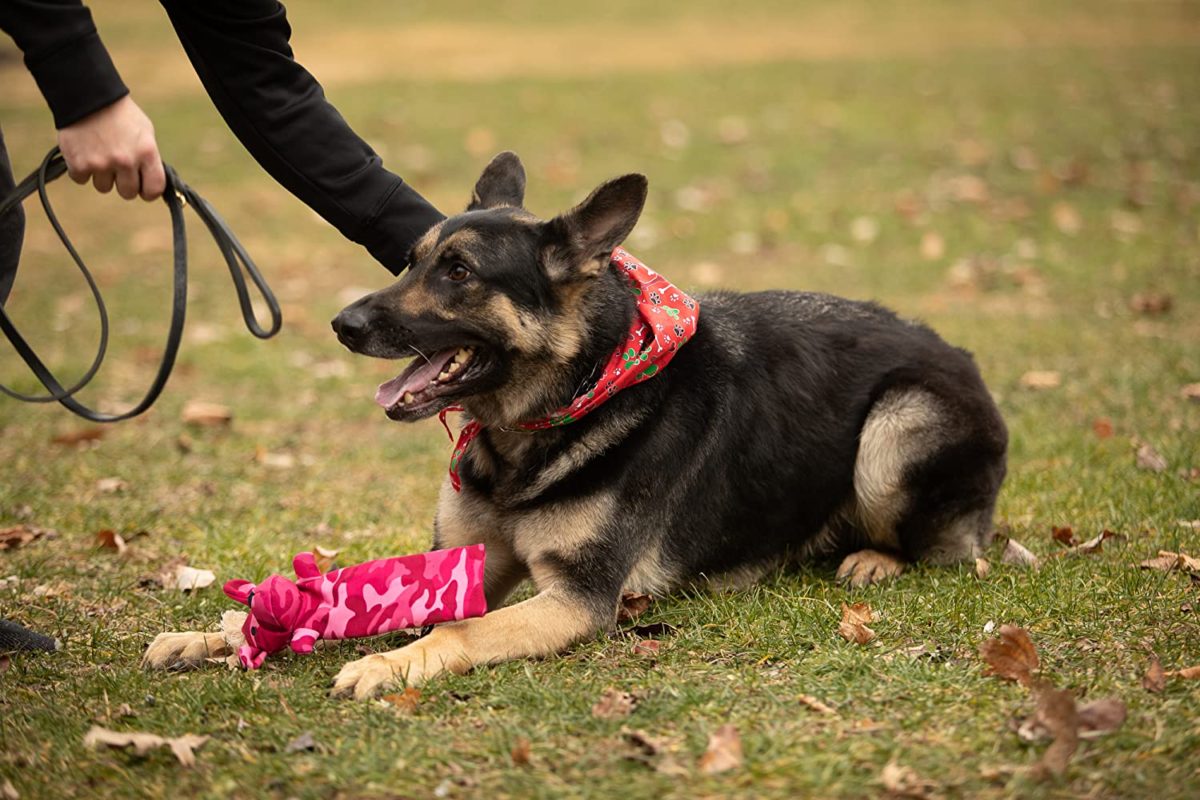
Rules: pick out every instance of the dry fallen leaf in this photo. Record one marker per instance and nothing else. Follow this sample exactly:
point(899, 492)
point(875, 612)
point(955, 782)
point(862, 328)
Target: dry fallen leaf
point(1064, 535)
point(521, 751)
point(182, 746)
point(1066, 218)
point(302, 744)
point(1056, 711)
point(854, 625)
point(1150, 459)
point(5, 663)
point(1018, 555)
point(324, 556)
point(80, 436)
point(109, 539)
point(1191, 392)
point(933, 246)
point(1099, 717)
point(19, 536)
point(186, 579)
point(1011, 656)
point(899, 781)
point(632, 606)
point(200, 412)
point(406, 701)
point(1040, 379)
point(1155, 680)
point(614, 704)
point(1166, 561)
point(724, 751)
point(1151, 303)
point(1096, 543)
point(1187, 673)
point(647, 647)
point(815, 704)
point(1102, 427)
point(111, 485)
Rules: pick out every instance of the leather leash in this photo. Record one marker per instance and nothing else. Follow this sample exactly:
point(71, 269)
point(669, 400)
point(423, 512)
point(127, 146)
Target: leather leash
point(177, 195)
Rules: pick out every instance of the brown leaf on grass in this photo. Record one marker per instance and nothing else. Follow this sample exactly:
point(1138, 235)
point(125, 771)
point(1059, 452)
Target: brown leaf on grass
point(632, 606)
point(854, 625)
point(21, 535)
point(205, 414)
point(724, 751)
point(304, 743)
point(614, 704)
point(1041, 379)
point(1066, 218)
point(654, 751)
point(324, 557)
point(1096, 543)
point(933, 246)
point(903, 782)
point(982, 568)
point(183, 747)
point(1146, 457)
point(815, 704)
point(1187, 673)
point(109, 539)
point(1102, 427)
point(647, 647)
point(406, 701)
point(80, 436)
point(522, 751)
point(187, 579)
point(1099, 717)
point(1018, 555)
point(111, 485)
point(5, 663)
point(1166, 561)
point(273, 460)
point(1056, 711)
point(1151, 303)
point(1191, 392)
point(1010, 656)
point(1064, 535)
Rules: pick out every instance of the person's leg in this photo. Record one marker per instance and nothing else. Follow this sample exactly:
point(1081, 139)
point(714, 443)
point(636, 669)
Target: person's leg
point(12, 234)
point(12, 228)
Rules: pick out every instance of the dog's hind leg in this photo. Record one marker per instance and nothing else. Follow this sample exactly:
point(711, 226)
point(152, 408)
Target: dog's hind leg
point(925, 480)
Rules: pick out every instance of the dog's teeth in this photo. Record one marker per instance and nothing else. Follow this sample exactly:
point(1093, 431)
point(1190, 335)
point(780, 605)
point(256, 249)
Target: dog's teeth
point(462, 355)
point(408, 398)
point(443, 376)
point(455, 367)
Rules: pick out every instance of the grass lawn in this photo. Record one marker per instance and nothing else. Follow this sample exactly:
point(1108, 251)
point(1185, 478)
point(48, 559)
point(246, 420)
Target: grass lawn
point(1018, 175)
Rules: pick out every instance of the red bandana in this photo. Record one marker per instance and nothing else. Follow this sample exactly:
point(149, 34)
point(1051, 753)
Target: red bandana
point(665, 320)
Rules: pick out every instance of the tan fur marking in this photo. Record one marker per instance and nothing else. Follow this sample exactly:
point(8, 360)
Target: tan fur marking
point(650, 575)
point(427, 242)
point(560, 528)
point(582, 451)
point(463, 519)
point(189, 649)
point(900, 429)
point(524, 330)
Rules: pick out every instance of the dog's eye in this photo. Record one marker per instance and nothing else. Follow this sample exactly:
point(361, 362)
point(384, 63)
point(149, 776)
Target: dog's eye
point(458, 271)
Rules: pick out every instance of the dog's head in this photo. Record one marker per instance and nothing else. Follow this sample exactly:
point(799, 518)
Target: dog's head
point(494, 301)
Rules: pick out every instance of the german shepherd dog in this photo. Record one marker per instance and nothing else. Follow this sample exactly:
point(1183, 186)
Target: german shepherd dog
point(791, 426)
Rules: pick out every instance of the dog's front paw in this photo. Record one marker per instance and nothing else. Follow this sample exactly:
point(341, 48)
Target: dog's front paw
point(867, 567)
point(408, 666)
point(184, 650)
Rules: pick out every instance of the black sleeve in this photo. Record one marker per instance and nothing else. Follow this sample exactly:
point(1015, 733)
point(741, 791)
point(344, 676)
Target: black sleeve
point(65, 55)
point(279, 112)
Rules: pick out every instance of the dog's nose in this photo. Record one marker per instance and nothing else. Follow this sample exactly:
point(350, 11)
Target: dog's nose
point(350, 325)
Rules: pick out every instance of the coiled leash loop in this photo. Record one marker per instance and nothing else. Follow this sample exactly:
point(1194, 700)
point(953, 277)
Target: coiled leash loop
point(177, 195)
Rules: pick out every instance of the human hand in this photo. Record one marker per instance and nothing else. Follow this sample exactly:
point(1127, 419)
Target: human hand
point(115, 146)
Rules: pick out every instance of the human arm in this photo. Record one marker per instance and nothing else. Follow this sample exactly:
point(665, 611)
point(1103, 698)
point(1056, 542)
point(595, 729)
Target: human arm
point(241, 53)
point(102, 133)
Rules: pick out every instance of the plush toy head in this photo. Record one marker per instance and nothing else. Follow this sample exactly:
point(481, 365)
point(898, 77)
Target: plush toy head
point(276, 605)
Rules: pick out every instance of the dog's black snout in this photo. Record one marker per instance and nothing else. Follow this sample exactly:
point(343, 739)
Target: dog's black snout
point(350, 324)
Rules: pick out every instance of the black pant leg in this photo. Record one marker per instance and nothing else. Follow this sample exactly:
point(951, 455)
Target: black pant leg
point(12, 228)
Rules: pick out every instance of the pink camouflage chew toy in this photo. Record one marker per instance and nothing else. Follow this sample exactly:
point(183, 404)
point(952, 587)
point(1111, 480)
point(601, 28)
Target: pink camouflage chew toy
point(368, 599)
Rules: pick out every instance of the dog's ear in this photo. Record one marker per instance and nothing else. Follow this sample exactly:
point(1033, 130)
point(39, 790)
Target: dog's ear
point(581, 241)
point(501, 184)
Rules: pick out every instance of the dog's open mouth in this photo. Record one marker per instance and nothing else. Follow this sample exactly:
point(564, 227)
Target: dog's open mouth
point(424, 386)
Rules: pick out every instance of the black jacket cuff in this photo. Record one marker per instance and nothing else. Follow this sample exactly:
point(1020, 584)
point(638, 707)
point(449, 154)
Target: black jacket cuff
point(77, 79)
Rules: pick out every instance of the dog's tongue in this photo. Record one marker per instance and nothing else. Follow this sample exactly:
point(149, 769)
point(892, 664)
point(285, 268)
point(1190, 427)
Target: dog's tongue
point(414, 378)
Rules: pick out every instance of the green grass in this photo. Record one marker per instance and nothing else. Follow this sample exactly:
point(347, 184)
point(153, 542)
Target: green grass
point(829, 140)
